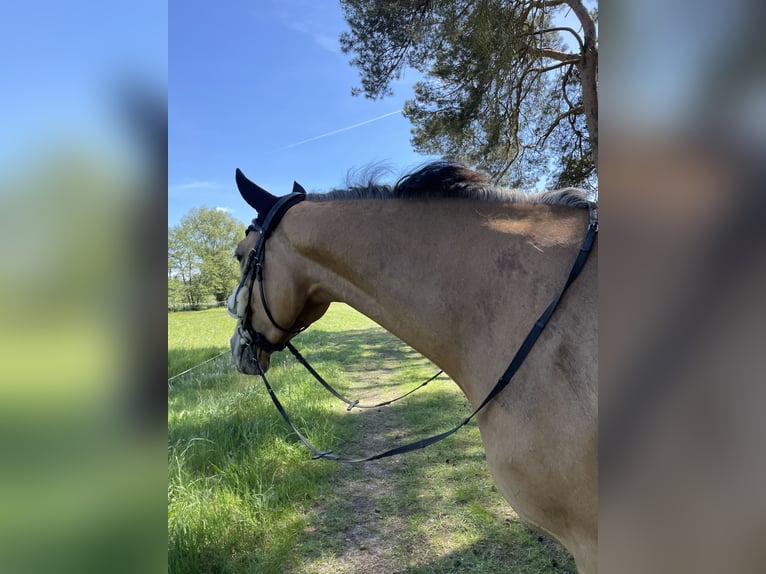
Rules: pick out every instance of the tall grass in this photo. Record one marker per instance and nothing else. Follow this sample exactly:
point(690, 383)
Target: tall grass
point(238, 482)
point(245, 496)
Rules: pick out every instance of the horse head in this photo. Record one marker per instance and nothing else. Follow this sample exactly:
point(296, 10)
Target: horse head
point(271, 301)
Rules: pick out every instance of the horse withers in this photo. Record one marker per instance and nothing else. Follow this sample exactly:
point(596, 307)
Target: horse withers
point(460, 271)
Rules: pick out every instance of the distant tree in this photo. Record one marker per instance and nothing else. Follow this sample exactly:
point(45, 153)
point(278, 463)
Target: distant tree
point(176, 293)
point(184, 266)
point(502, 89)
point(200, 256)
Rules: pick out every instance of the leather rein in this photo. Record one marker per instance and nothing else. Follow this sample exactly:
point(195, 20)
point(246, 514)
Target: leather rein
point(253, 271)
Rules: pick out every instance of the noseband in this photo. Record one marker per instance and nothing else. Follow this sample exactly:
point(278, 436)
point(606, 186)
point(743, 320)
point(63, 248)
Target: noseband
point(253, 271)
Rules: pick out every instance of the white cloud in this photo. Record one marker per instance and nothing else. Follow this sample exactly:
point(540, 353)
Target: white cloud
point(223, 209)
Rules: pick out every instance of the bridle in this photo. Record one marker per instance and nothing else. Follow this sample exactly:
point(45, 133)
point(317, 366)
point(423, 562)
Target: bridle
point(253, 271)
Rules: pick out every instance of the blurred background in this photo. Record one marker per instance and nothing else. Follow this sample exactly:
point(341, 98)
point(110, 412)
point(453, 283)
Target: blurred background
point(83, 221)
point(681, 372)
point(83, 163)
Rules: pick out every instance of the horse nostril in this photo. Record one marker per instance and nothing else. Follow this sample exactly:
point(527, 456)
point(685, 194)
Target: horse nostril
point(244, 336)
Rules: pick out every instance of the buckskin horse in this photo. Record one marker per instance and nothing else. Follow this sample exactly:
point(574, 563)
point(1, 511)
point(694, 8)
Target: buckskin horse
point(460, 271)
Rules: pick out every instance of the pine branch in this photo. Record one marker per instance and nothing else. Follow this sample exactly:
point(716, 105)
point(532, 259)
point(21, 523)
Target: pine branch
point(556, 55)
point(562, 116)
point(560, 29)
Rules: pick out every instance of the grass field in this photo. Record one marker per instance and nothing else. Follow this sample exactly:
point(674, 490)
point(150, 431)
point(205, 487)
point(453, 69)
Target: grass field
point(245, 496)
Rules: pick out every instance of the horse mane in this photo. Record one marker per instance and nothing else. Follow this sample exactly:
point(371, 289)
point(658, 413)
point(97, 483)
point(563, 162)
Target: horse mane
point(447, 179)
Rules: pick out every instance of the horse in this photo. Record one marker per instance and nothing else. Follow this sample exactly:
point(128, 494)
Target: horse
point(459, 270)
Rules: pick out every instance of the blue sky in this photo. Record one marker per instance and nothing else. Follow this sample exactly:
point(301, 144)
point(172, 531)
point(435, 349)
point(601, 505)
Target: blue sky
point(250, 83)
point(247, 82)
point(65, 67)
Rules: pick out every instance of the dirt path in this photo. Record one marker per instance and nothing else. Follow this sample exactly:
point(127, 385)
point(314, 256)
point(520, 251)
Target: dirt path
point(436, 511)
point(352, 531)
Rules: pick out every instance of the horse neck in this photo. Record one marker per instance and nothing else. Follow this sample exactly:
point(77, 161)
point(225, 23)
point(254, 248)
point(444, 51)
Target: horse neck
point(450, 277)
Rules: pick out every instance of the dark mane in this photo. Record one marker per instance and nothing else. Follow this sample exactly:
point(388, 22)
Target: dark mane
point(442, 179)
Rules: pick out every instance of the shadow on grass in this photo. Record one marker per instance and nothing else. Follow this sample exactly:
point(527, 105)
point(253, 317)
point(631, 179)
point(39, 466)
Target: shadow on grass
point(492, 554)
point(361, 351)
point(436, 492)
point(375, 346)
point(225, 434)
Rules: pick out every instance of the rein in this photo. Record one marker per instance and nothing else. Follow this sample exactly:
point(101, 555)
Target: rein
point(351, 404)
point(256, 258)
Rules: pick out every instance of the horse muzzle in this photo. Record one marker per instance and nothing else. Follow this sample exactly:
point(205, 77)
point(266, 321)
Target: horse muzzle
point(245, 354)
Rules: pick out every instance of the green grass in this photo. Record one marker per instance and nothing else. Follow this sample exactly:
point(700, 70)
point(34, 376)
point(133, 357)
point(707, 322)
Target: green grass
point(245, 496)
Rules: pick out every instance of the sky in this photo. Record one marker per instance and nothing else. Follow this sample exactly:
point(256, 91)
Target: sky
point(263, 86)
point(260, 85)
point(66, 69)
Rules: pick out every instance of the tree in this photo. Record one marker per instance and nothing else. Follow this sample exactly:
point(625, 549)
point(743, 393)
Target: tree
point(200, 251)
point(501, 89)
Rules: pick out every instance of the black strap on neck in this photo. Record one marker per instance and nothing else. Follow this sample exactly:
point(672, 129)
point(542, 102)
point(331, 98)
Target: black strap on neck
point(502, 382)
point(272, 219)
point(269, 225)
point(278, 210)
point(253, 270)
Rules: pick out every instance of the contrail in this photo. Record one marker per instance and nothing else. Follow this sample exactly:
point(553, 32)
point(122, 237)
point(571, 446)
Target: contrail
point(332, 133)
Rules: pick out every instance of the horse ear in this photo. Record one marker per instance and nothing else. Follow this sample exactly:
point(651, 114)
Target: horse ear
point(257, 197)
point(298, 188)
